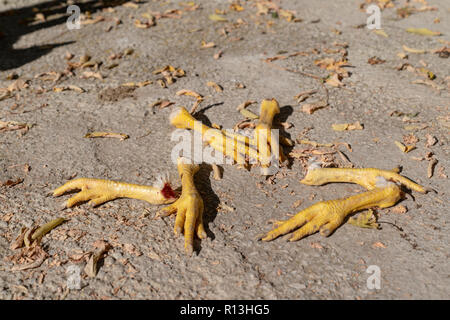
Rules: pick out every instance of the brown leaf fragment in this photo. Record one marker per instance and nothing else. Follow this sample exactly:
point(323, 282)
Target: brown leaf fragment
point(412, 50)
point(99, 134)
point(302, 96)
point(218, 54)
point(191, 93)
point(404, 148)
point(91, 267)
point(430, 169)
point(130, 4)
point(347, 126)
point(214, 85)
point(402, 55)
point(161, 104)
point(145, 24)
point(11, 183)
point(399, 209)
point(431, 140)
point(18, 242)
point(75, 88)
point(378, 245)
point(18, 85)
point(310, 108)
point(423, 32)
point(92, 21)
point(4, 94)
point(441, 172)
point(91, 74)
point(316, 245)
point(32, 265)
point(375, 60)
point(443, 52)
point(245, 104)
point(428, 83)
point(335, 80)
point(207, 45)
point(137, 84)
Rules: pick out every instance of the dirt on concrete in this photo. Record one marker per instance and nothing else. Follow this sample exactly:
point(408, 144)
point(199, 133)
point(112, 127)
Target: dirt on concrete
point(403, 95)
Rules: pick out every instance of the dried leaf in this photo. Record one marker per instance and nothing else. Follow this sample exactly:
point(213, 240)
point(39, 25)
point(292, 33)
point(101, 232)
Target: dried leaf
point(404, 148)
point(248, 114)
point(191, 93)
point(216, 87)
point(162, 104)
point(381, 32)
point(144, 24)
point(430, 169)
point(13, 125)
point(18, 85)
point(91, 74)
point(347, 126)
point(375, 60)
point(46, 228)
point(245, 104)
point(207, 45)
point(423, 31)
point(137, 84)
point(75, 88)
point(216, 17)
point(91, 267)
point(98, 134)
point(302, 96)
point(335, 81)
point(412, 50)
point(399, 209)
point(18, 242)
point(217, 55)
point(378, 245)
point(431, 140)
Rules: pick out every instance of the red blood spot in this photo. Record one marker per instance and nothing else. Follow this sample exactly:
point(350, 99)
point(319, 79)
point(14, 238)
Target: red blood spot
point(167, 191)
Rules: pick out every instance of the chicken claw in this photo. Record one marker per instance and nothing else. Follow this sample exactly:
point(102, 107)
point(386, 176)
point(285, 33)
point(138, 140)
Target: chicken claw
point(327, 216)
point(98, 191)
point(240, 148)
point(366, 177)
point(189, 207)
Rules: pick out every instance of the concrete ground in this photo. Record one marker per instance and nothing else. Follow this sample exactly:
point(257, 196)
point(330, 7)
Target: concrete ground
point(146, 260)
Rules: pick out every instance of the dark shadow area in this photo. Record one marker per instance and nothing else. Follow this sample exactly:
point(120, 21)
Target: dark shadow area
point(210, 200)
point(16, 23)
point(285, 112)
point(201, 113)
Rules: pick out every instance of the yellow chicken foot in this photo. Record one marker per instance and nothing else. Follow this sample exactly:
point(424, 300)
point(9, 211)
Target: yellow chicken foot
point(233, 145)
point(263, 137)
point(327, 216)
point(98, 191)
point(189, 207)
point(182, 119)
point(365, 219)
point(366, 177)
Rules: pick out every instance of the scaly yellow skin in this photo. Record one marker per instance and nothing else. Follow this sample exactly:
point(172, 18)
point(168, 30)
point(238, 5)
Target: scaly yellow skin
point(189, 207)
point(366, 177)
point(233, 145)
point(98, 191)
point(327, 216)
